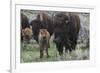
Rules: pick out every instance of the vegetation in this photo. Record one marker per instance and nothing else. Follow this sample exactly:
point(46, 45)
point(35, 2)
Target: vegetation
point(31, 53)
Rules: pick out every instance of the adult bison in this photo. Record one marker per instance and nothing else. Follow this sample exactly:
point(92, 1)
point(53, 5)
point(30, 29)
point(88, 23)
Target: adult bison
point(26, 30)
point(66, 31)
point(42, 21)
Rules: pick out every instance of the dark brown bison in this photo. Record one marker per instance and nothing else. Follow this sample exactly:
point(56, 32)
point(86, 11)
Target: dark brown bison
point(42, 21)
point(26, 30)
point(44, 38)
point(66, 31)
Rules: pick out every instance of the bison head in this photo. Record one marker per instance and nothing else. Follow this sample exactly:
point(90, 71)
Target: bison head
point(61, 18)
point(43, 33)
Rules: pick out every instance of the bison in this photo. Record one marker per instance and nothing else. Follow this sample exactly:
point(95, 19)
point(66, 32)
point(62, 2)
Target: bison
point(27, 34)
point(66, 31)
point(42, 21)
point(44, 38)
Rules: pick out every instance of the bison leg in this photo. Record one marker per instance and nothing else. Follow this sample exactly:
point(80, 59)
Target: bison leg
point(60, 49)
point(41, 52)
point(74, 43)
point(47, 52)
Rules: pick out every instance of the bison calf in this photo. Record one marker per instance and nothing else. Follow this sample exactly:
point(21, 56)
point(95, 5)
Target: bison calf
point(44, 38)
point(27, 34)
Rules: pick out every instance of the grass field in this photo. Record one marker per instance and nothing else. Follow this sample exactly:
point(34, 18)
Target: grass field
point(31, 53)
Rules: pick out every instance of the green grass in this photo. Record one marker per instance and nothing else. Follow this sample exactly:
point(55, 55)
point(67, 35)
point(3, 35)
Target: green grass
point(31, 53)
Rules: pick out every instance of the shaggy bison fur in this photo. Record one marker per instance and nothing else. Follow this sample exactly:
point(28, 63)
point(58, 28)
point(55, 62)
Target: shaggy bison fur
point(66, 31)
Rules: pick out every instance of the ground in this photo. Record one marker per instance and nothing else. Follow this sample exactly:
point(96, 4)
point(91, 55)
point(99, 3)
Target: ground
point(31, 53)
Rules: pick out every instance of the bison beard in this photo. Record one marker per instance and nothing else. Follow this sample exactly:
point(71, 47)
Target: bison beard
point(66, 31)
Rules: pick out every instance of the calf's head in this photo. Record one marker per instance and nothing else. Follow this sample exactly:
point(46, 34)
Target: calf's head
point(43, 34)
point(27, 34)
